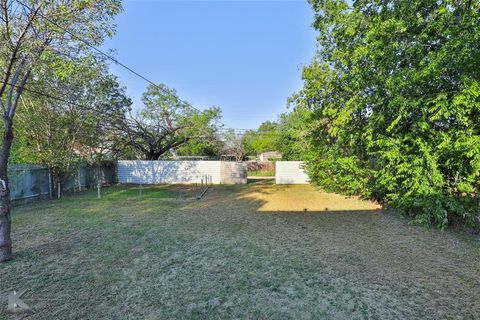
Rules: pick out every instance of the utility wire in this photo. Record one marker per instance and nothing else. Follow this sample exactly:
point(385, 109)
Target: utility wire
point(106, 55)
point(219, 130)
point(47, 95)
point(238, 131)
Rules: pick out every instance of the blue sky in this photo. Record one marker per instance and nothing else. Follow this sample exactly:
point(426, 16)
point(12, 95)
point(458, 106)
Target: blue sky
point(243, 56)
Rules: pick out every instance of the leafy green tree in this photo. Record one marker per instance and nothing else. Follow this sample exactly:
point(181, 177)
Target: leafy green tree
point(77, 128)
point(265, 138)
point(292, 134)
point(394, 92)
point(31, 32)
point(165, 123)
point(209, 146)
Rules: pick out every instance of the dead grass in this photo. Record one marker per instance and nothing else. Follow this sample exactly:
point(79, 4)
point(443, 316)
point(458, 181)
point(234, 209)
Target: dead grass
point(151, 258)
point(293, 198)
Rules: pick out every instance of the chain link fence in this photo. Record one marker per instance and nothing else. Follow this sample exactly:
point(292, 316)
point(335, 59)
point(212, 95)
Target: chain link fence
point(34, 182)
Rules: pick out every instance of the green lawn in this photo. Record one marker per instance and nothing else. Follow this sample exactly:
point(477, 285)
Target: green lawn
point(261, 173)
point(132, 192)
point(237, 253)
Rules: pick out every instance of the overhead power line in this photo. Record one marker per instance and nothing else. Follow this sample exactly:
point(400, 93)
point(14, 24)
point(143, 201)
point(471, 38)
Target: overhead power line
point(239, 129)
point(50, 96)
point(88, 44)
point(237, 132)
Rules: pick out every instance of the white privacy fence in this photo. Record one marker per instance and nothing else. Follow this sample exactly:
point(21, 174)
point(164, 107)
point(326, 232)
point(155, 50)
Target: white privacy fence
point(172, 172)
point(218, 172)
point(290, 172)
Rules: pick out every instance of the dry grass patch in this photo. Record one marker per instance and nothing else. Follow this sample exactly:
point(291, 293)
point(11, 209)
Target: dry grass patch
point(295, 198)
point(220, 258)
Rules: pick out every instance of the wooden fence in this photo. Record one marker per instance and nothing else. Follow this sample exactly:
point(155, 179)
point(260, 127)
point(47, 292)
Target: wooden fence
point(260, 166)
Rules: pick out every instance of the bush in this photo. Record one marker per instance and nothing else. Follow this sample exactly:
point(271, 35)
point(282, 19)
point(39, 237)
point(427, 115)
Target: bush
point(394, 102)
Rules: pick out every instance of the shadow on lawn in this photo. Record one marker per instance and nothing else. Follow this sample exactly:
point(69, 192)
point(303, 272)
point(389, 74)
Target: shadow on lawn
point(260, 180)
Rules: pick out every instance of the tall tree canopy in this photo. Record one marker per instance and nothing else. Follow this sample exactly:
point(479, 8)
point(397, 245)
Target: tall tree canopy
point(394, 92)
point(75, 129)
point(292, 134)
point(265, 138)
point(165, 123)
point(33, 33)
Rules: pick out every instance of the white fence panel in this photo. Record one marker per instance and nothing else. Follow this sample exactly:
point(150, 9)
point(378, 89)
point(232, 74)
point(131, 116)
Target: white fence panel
point(158, 172)
point(290, 172)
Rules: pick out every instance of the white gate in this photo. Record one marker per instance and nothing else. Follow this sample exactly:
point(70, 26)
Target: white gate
point(290, 172)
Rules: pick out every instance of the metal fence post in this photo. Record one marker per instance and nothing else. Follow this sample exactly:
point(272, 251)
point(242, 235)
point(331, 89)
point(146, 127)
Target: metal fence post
point(50, 187)
point(79, 180)
point(98, 182)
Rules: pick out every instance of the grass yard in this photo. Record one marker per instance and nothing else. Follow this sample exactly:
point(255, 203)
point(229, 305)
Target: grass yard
point(251, 251)
point(132, 192)
point(261, 173)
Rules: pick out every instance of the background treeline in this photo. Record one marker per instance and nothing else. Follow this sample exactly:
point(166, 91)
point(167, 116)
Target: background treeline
point(286, 135)
point(393, 97)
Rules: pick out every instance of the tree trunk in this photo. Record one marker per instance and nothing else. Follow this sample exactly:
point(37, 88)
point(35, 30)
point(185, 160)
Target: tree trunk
point(152, 155)
point(5, 219)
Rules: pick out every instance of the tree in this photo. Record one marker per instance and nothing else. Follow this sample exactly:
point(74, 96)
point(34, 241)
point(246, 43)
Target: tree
point(293, 133)
point(165, 123)
point(210, 146)
point(394, 92)
point(31, 33)
point(288, 135)
point(265, 138)
point(234, 145)
point(76, 129)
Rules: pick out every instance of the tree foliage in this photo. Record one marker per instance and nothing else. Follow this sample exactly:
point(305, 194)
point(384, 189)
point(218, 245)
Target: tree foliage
point(394, 92)
point(164, 124)
point(288, 135)
point(292, 133)
point(32, 33)
point(265, 138)
point(62, 133)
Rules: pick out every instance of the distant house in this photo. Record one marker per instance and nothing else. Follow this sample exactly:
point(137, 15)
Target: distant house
point(269, 155)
